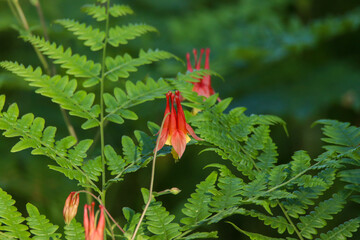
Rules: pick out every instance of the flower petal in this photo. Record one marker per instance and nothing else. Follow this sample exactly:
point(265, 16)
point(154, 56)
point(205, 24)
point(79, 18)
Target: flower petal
point(192, 133)
point(178, 141)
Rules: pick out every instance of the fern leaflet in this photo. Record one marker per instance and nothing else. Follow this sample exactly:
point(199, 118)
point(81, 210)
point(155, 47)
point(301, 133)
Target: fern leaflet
point(40, 227)
point(94, 38)
point(11, 218)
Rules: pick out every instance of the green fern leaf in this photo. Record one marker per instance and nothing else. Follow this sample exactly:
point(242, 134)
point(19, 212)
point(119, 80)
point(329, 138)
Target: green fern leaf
point(60, 89)
point(40, 227)
point(120, 66)
point(304, 196)
point(93, 168)
point(130, 150)
point(254, 236)
point(279, 222)
point(115, 162)
point(121, 35)
point(71, 174)
point(159, 222)
point(135, 94)
point(98, 12)
point(93, 37)
point(198, 208)
point(200, 235)
point(342, 232)
point(10, 219)
point(75, 64)
point(74, 231)
point(318, 217)
point(117, 10)
point(229, 191)
point(65, 152)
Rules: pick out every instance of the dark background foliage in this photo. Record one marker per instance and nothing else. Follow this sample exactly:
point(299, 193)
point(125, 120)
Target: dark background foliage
point(295, 59)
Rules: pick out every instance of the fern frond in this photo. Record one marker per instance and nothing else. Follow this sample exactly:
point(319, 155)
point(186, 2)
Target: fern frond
point(254, 236)
point(159, 222)
point(115, 162)
point(74, 231)
point(40, 227)
point(120, 66)
point(343, 231)
point(60, 90)
point(117, 105)
point(323, 212)
point(75, 64)
point(198, 208)
point(304, 195)
point(98, 12)
point(279, 222)
point(93, 168)
point(121, 35)
point(117, 10)
point(340, 134)
point(200, 235)
point(94, 38)
point(33, 134)
point(10, 219)
point(229, 193)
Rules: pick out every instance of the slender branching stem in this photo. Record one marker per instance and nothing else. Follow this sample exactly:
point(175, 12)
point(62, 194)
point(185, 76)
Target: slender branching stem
point(101, 203)
point(102, 80)
point(151, 180)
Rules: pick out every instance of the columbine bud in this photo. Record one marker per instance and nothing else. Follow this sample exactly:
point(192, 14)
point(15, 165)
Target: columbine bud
point(71, 206)
point(175, 190)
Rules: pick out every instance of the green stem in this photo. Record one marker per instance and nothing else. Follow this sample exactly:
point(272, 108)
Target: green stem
point(102, 80)
point(290, 221)
point(151, 180)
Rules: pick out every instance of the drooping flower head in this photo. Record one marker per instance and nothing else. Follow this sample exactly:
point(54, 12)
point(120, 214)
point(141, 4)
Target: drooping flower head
point(93, 232)
point(175, 129)
point(70, 207)
point(203, 87)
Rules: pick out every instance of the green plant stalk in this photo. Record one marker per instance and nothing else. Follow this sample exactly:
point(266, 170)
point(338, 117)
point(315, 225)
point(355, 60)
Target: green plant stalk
point(151, 180)
point(290, 221)
point(102, 138)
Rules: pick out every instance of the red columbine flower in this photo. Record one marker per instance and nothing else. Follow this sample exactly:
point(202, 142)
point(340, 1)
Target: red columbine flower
point(203, 87)
point(71, 206)
point(175, 129)
point(93, 232)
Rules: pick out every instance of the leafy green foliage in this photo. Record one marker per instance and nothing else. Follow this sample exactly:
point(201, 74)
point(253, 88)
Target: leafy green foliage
point(61, 90)
point(345, 140)
point(117, 105)
point(121, 35)
point(120, 66)
point(317, 218)
point(198, 208)
point(99, 12)
point(94, 38)
point(74, 231)
point(343, 231)
point(39, 225)
point(66, 152)
point(10, 219)
point(75, 64)
point(159, 222)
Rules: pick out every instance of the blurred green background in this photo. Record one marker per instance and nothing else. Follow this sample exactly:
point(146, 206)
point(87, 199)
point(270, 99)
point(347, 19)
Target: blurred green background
point(296, 59)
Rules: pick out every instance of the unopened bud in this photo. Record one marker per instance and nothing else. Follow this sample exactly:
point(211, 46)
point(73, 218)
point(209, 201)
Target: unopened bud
point(175, 190)
point(71, 206)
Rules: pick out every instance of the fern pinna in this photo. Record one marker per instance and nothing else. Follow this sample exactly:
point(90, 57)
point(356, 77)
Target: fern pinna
point(297, 199)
